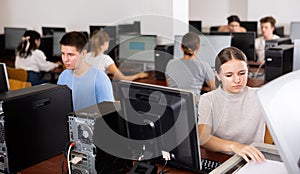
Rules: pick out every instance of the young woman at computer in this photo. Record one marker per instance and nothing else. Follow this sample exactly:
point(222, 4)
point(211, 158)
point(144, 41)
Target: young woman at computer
point(97, 58)
point(31, 59)
point(233, 25)
point(230, 118)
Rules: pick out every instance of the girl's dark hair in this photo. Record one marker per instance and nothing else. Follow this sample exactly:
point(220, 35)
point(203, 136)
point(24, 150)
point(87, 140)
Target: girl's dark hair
point(233, 18)
point(190, 42)
point(28, 43)
point(227, 54)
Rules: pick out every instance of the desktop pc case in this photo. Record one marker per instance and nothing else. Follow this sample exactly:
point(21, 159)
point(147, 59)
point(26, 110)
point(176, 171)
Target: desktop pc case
point(33, 125)
point(81, 131)
point(278, 61)
point(163, 54)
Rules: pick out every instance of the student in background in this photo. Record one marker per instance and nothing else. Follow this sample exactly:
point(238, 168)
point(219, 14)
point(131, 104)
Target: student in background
point(267, 26)
point(190, 72)
point(230, 118)
point(89, 86)
point(103, 62)
point(233, 25)
point(31, 59)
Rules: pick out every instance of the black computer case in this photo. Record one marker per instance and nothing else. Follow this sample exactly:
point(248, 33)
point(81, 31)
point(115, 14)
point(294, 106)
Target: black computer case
point(33, 125)
point(279, 61)
point(163, 54)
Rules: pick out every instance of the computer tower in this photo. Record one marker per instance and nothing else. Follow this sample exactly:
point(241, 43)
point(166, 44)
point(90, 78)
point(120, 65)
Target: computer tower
point(33, 125)
point(82, 131)
point(163, 54)
point(279, 61)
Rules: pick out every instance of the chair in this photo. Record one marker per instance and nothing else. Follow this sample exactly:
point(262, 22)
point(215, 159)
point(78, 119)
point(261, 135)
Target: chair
point(268, 138)
point(17, 74)
point(17, 84)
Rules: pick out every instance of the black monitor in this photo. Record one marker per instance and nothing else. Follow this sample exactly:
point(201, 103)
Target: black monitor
point(50, 30)
point(35, 124)
point(279, 30)
point(275, 42)
point(13, 37)
point(195, 26)
point(249, 25)
point(161, 119)
point(245, 41)
point(4, 83)
point(57, 35)
point(134, 28)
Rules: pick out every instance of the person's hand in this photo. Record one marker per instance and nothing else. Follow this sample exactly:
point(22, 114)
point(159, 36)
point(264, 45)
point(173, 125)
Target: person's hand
point(59, 63)
point(142, 75)
point(248, 152)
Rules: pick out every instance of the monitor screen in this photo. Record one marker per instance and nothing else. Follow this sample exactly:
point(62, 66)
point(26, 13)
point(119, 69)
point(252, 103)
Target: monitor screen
point(294, 30)
point(134, 28)
point(13, 37)
point(279, 100)
point(296, 63)
point(161, 119)
point(195, 26)
point(137, 47)
point(249, 25)
point(210, 46)
point(50, 30)
point(4, 83)
point(56, 45)
point(245, 41)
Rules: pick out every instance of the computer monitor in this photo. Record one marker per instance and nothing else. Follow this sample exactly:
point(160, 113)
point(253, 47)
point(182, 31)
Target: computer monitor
point(245, 41)
point(137, 48)
point(57, 35)
point(13, 37)
point(249, 25)
point(50, 30)
point(35, 124)
point(4, 83)
point(279, 100)
point(296, 57)
point(294, 30)
point(195, 26)
point(210, 46)
point(134, 28)
point(279, 30)
point(161, 119)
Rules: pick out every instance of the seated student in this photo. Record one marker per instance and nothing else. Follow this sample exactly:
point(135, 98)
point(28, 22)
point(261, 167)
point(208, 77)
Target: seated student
point(31, 59)
point(267, 25)
point(233, 25)
point(190, 72)
point(89, 86)
point(230, 118)
point(97, 58)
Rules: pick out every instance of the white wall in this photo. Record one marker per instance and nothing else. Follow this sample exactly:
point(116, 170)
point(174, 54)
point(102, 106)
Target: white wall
point(78, 15)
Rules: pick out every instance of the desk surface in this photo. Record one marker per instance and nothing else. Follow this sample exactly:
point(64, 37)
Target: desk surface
point(54, 164)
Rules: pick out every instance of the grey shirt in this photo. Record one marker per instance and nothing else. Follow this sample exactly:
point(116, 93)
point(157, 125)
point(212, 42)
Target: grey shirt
point(235, 117)
point(188, 74)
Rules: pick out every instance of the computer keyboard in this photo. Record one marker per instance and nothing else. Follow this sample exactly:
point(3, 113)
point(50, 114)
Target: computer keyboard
point(209, 165)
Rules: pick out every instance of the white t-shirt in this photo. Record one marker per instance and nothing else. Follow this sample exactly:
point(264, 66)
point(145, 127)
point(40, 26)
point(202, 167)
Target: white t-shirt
point(234, 117)
point(35, 62)
point(260, 43)
point(101, 62)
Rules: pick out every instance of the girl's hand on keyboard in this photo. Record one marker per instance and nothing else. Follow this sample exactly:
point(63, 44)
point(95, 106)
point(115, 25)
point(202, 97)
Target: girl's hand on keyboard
point(248, 152)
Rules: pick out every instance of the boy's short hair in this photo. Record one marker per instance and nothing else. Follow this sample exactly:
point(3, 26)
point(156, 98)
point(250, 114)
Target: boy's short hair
point(75, 39)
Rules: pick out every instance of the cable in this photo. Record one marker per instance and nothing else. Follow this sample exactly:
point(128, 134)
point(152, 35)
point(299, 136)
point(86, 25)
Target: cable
point(68, 156)
point(257, 71)
point(163, 168)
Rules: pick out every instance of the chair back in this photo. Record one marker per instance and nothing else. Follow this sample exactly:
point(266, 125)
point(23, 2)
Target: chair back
point(17, 74)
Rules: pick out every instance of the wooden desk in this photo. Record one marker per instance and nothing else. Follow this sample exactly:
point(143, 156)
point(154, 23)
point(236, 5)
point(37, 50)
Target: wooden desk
point(54, 164)
point(151, 79)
